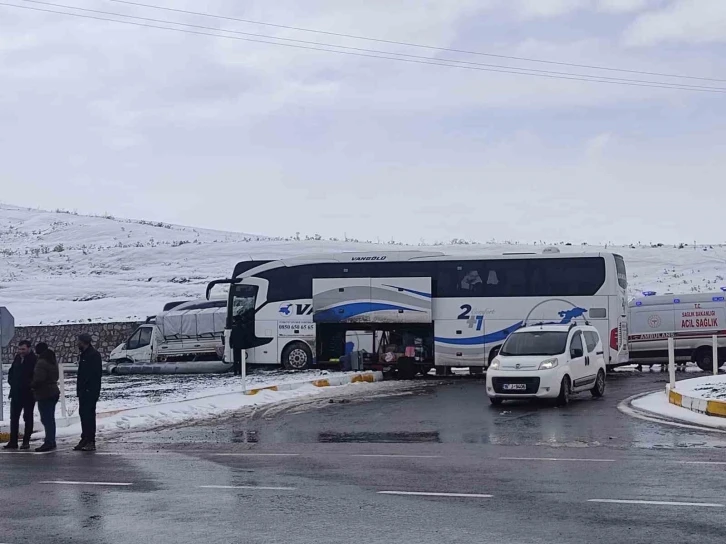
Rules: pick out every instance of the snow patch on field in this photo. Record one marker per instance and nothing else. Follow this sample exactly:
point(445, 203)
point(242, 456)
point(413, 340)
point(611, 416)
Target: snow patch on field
point(57, 267)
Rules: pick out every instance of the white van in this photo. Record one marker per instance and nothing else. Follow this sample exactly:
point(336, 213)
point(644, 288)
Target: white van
point(691, 319)
point(548, 361)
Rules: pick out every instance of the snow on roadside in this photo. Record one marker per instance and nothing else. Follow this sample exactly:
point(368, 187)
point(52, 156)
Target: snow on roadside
point(706, 387)
point(657, 403)
point(166, 399)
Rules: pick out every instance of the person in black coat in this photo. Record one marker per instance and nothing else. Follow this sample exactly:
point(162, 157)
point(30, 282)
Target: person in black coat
point(47, 393)
point(21, 395)
point(88, 389)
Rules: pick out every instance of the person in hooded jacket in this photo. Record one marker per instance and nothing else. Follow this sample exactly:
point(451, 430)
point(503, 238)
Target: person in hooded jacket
point(21, 395)
point(46, 391)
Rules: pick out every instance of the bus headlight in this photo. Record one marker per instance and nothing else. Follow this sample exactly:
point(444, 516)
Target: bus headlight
point(548, 364)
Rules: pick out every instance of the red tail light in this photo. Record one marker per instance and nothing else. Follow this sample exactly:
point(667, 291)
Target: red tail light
point(614, 339)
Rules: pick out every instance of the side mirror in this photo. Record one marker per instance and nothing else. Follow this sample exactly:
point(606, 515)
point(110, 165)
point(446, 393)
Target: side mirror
point(576, 353)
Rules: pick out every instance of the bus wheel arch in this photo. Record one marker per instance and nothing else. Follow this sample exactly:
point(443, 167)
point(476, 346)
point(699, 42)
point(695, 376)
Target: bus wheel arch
point(297, 355)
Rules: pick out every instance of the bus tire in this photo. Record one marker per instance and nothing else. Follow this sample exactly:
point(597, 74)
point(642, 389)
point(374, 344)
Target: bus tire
point(476, 370)
point(704, 358)
point(297, 356)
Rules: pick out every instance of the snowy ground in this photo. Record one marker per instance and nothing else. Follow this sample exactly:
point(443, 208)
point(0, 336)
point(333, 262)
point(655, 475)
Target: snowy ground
point(143, 402)
point(657, 403)
point(124, 392)
point(65, 268)
point(705, 387)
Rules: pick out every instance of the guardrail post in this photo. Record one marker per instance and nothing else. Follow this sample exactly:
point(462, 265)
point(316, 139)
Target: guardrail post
point(672, 362)
point(714, 338)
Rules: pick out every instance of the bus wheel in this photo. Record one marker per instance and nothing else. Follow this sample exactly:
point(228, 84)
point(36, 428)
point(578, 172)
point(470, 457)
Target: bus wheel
point(476, 370)
point(704, 359)
point(297, 356)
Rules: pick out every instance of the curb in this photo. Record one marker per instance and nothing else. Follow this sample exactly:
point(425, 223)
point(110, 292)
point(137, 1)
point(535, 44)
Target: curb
point(333, 381)
point(626, 407)
point(716, 408)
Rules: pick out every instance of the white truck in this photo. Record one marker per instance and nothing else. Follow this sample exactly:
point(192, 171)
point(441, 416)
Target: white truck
point(187, 339)
point(691, 319)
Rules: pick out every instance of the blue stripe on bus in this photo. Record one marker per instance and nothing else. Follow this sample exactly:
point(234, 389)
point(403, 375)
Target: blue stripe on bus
point(420, 293)
point(356, 308)
point(497, 336)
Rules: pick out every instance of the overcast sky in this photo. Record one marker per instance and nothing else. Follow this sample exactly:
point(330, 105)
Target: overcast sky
point(146, 123)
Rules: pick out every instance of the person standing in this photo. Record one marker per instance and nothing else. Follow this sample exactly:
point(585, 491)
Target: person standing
point(88, 389)
point(21, 395)
point(45, 389)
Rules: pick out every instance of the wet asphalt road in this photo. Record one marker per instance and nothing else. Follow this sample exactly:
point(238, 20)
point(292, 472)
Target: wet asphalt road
point(314, 472)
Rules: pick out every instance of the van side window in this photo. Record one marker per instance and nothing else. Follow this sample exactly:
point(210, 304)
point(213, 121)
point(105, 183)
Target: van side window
point(591, 340)
point(576, 342)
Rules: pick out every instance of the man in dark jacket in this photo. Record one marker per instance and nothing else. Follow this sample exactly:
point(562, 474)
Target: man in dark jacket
point(21, 395)
point(88, 388)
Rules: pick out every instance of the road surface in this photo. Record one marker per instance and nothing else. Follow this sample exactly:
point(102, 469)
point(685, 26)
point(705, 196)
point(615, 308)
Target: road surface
point(430, 462)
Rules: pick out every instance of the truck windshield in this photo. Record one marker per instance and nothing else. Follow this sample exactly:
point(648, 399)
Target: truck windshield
point(535, 343)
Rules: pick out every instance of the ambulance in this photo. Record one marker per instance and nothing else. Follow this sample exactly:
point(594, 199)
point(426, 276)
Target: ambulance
point(691, 319)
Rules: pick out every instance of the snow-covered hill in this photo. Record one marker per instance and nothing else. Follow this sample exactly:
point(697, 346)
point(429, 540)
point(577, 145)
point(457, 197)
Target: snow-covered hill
point(57, 267)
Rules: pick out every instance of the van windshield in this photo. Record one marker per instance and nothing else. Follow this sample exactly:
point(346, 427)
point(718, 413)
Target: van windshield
point(535, 343)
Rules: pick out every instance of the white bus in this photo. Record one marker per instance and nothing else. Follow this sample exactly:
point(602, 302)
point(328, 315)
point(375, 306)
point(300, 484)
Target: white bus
point(416, 310)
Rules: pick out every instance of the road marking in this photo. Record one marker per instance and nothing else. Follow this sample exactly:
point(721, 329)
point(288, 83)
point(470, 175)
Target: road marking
point(403, 456)
point(66, 482)
point(657, 503)
point(259, 487)
point(433, 494)
point(255, 454)
point(558, 459)
point(701, 462)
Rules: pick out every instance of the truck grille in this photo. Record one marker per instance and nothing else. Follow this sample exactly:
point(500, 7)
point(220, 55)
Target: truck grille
point(532, 384)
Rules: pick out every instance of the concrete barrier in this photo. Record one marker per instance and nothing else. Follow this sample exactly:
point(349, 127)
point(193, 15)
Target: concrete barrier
point(715, 408)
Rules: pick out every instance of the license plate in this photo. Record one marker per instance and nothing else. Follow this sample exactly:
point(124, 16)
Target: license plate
point(514, 386)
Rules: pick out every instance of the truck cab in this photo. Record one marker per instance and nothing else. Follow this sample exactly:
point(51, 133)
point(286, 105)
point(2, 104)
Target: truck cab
point(139, 348)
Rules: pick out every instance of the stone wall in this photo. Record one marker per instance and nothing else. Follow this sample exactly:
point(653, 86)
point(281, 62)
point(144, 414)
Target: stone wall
point(63, 338)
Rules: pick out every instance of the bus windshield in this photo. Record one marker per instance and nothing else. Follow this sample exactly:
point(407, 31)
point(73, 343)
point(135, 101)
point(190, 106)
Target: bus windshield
point(243, 301)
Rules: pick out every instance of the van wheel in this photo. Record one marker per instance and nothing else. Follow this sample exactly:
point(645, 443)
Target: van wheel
point(598, 389)
point(297, 356)
point(704, 359)
point(496, 401)
point(565, 391)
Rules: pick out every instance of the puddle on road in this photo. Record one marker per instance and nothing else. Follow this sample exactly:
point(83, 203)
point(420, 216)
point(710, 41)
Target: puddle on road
point(392, 437)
